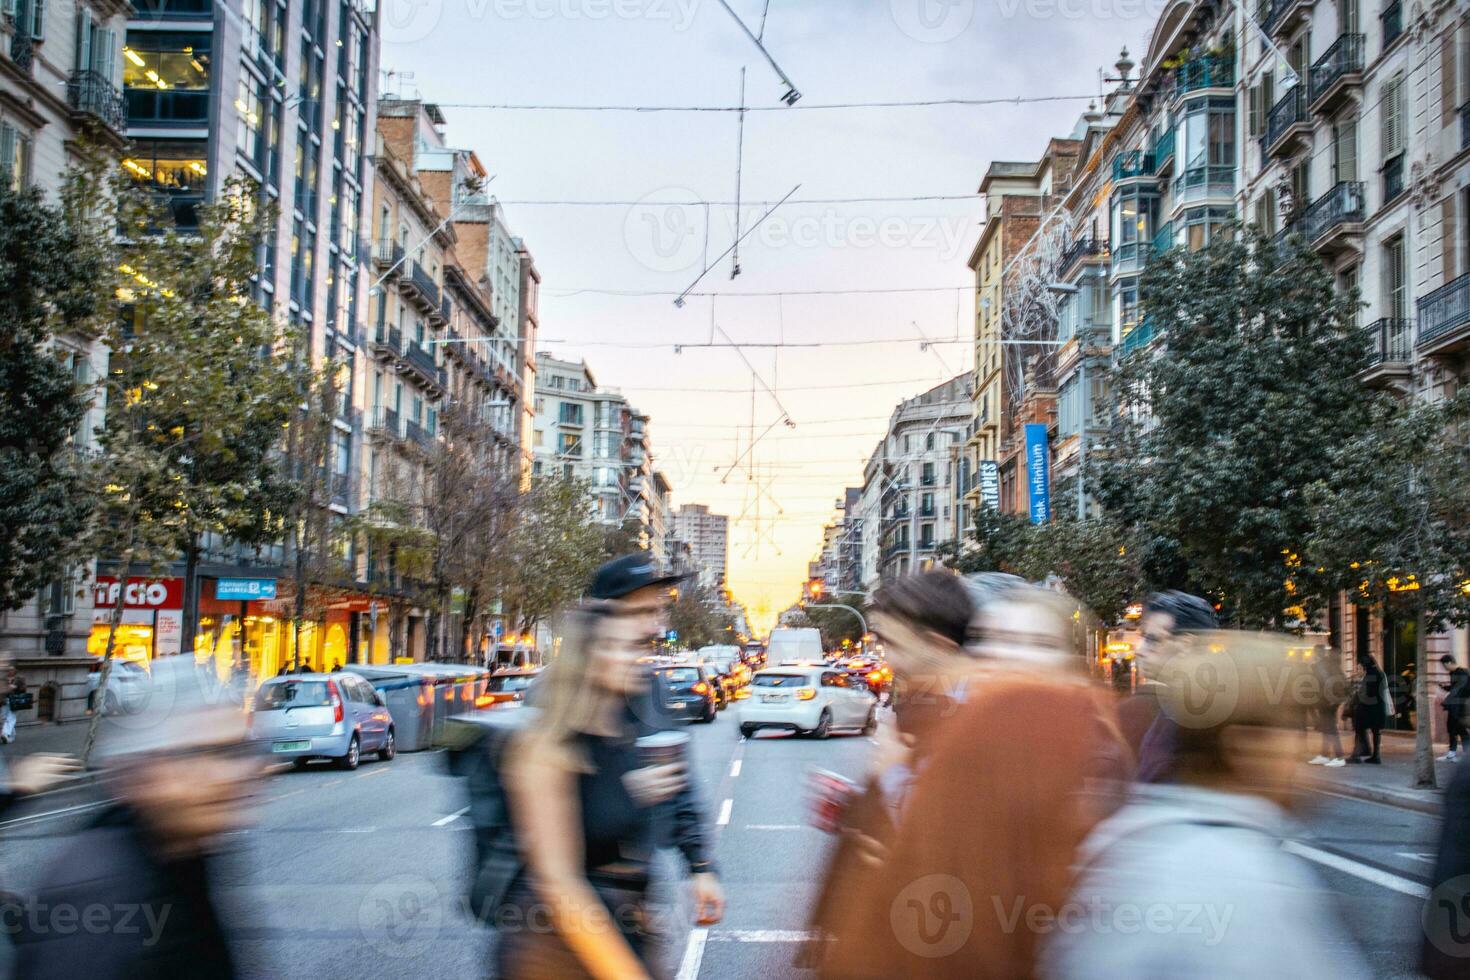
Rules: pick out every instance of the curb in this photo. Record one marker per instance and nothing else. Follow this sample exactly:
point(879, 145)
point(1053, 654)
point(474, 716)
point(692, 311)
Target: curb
point(1421, 801)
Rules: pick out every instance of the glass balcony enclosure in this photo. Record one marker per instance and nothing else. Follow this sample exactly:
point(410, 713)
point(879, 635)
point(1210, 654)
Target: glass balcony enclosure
point(166, 78)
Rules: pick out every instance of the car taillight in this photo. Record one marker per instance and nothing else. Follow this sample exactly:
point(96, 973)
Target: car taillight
point(806, 694)
point(701, 688)
point(336, 700)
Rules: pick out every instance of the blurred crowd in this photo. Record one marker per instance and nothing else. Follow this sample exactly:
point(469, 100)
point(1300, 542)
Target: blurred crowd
point(1017, 817)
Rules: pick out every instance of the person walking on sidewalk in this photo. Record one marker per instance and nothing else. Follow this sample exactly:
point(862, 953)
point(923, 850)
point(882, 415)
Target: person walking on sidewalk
point(1332, 694)
point(1150, 734)
point(1457, 692)
point(1371, 709)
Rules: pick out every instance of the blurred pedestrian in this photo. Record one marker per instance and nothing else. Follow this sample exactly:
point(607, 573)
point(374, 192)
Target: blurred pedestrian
point(1331, 686)
point(924, 621)
point(1150, 737)
point(1445, 953)
point(1371, 709)
point(1198, 864)
point(1457, 695)
point(587, 809)
point(180, 775)
point(992, 818)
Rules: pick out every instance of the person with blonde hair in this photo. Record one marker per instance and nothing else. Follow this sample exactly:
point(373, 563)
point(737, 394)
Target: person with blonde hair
point(587, 810)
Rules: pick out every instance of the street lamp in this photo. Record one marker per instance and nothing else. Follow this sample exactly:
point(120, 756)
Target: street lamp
point(838, 605)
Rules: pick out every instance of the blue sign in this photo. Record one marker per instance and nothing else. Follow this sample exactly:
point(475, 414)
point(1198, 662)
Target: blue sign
point(1038, 473)
point(245, 589)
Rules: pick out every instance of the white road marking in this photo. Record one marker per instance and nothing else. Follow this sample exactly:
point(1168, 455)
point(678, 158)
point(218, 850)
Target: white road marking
point(725, 809)
point(774, 826)
point(1356, 799)
point(693, 954)
point(52, 814)
point(451, 818)
point(1416, 856)
point(735, 768)
point(761, 936)
point(1371, 875)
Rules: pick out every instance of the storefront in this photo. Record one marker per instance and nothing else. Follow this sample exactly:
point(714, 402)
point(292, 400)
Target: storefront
point(152, 622)
point(242, 627)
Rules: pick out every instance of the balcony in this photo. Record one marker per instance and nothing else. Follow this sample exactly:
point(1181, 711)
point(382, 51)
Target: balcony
point(1334, 221)
point(1203, 73)
point(23, 51)
point(92, 95)
point(386, 424)
point(1080, 249)
point(1287, 124)
point(1133, 164)
point(420, 286)
point(1337, 72)
point(1444, 318)
point(387, 342)
point(1390, 351)
point(1392, 21)
point(1129, 258)
point(341, 486)
point(1163, 152)
point(421, 362)
point(388, 255)
point(416, 433)
point(1283, 15)
point(1164, 239)
point(446, 309)
point(1138, 338)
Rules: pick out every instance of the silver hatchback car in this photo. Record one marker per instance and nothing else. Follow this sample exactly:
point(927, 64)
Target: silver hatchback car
point(322, 716)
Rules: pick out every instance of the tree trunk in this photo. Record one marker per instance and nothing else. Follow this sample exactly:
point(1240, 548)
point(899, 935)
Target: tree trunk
point(191, 595)
point(299, 606)
point(468, 648)
point(125, 565)
point(1424, 723)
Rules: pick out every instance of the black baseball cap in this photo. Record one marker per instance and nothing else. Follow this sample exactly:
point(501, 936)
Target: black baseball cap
point(626, 575)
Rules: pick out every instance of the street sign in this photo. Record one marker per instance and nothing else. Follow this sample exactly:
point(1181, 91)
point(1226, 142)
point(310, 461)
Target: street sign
point(245, 589)
point(989, 473)
point(1038, 472)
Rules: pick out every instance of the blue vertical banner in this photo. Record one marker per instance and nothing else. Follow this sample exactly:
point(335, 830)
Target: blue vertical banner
point(1038, 473)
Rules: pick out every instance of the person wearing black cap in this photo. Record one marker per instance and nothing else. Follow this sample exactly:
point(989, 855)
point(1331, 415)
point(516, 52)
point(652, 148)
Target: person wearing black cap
point(587, 807)
point(1154, 736)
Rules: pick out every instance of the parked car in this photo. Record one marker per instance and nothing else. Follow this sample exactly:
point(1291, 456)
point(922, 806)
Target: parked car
point(809, 701)
point(688, 692)
point(509, 685)
point(128, 687)
point(323, 716)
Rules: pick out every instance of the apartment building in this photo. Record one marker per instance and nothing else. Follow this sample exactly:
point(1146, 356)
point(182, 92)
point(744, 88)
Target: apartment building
point(60, 96)
point(908, 491)
point(707, 536)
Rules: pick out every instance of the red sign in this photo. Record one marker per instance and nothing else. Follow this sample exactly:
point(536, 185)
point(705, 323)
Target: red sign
point(142, 593)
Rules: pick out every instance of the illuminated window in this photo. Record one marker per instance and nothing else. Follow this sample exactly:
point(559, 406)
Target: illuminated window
point(166, 78)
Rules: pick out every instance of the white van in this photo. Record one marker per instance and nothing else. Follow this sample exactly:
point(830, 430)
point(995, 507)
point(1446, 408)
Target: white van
point(794, 646)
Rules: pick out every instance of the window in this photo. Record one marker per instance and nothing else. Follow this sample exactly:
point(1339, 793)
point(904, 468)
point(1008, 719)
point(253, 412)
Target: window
point(165, 75)
point(15, 157)
point(1394, 99)
point(1345, 149)
point(1395, 279)
point(571, 413)
point(1209, 145)
point(926, 475)
point(1346, 284)
point(1347, 17)
point(929, 441)
point(926, 536)
point(249, 139)
point(94, 47)
point(1202, 224)
point(569, 444)
point(1265, 212)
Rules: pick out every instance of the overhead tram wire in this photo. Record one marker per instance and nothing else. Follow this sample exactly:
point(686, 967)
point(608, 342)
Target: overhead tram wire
point(692, 203)
point(799, 107)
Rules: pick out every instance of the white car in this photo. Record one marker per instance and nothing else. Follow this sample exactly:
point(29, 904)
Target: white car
point(809, 700)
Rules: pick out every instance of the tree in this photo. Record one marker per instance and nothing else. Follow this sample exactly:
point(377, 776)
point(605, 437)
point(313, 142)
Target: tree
point(1393, 531)
point(198, 393)
point(1002, 543)
point(700, 617)
point(51, 265)
point(551, 553)
point(1098, 560)
point(1221, 427)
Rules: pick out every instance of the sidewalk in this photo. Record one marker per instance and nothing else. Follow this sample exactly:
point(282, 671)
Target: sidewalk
point(67, 738)
point(1392, 782)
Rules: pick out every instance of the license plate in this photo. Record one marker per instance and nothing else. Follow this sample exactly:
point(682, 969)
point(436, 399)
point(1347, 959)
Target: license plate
point(773, 697)
point(293, 746)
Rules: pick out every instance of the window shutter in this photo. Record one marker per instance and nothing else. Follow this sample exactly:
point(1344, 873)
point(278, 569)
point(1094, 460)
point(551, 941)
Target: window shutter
point(7, 154)
point(1345, 149)
point(104, 51)
point(38, 19)
point(8, 8)
point(1253, 112)
point(83, 48)
point(1393, 118)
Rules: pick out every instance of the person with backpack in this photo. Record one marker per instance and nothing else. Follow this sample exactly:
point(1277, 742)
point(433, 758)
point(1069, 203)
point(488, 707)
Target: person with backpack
point(573, 797)
point(1457, 693)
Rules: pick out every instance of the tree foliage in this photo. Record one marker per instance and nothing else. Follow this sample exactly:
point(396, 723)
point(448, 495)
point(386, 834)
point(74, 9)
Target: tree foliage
point(551, 552)
point(1222, 427)
point(701, 618)
point(51, 266)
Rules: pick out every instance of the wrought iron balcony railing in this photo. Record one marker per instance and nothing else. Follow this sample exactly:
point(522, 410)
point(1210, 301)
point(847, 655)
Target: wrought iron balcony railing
point(1343, 58)
point(1390, 341)
point(89, 92)
point(1445, 310)
point(1289, 110)
point(1342, 204)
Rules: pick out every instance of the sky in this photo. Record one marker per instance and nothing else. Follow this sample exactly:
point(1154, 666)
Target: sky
point(610, 272)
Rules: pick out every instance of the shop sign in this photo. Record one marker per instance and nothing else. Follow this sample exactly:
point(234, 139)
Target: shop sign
point(245, 589)
point(1038, 475)
point(989, 471)
point(141, 593)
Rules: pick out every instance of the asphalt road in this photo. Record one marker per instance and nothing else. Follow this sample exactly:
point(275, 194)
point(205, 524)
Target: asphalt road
point(360, 873)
